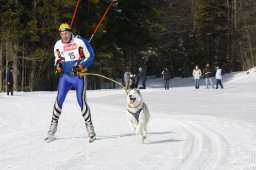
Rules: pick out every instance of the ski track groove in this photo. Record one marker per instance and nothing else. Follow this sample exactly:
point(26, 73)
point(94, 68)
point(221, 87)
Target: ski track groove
point(218, 143)
point(197, 146)
point(14, 143)
point(212, 147)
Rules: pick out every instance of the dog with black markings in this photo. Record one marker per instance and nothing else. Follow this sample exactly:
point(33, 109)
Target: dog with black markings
point(137, 113)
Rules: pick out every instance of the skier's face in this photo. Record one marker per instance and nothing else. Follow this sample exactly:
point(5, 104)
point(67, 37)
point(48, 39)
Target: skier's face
point(65, 36)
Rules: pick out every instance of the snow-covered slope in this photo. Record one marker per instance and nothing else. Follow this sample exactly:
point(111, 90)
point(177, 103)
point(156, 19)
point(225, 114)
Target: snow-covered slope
point(189, 129)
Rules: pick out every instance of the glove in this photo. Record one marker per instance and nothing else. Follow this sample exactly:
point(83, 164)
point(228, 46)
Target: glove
point(58, 66)
point(77, 68)
point(58, 69)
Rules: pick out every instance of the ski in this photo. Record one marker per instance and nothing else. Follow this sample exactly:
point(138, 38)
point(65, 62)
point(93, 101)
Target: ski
point(92, 139)
point(49, 139)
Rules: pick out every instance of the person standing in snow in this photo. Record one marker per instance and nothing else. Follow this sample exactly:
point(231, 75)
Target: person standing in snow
point(10, 82)
point(207, 73)
point(132, 81)
point(127, 79)
point(138, 77)
point(143, 75)
point(73, 54)
point(197, 75)
point(218, 77)
point(166, 76)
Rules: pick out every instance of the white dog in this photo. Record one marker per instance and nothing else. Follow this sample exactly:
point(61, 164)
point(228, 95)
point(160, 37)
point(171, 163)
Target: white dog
point(137, 113)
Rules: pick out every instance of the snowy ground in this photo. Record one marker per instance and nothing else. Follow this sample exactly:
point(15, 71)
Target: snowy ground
point(189, 129)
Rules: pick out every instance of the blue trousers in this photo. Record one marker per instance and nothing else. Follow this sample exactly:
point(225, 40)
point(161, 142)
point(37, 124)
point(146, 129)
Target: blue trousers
point(66, 82)
point(197, 83)
point(166, 84)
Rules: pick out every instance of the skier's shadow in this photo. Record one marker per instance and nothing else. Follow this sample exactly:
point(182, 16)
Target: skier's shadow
point(165, 140)
point(114, 136)
point(102, 137)
point(150, 133)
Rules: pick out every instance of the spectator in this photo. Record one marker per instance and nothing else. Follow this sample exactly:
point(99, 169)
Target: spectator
point(166, 76)
point(143, 75)
point(218, 77)
point(138, 77)
point(207, 72)
point(132, 81)
point(127, 79)
point(197, 75)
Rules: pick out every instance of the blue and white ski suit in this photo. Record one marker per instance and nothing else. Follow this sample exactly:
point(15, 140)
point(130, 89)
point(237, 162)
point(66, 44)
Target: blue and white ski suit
point(69, 54)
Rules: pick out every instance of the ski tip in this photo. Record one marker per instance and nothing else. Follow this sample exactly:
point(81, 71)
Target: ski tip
point(92, 139)
point(49, 139)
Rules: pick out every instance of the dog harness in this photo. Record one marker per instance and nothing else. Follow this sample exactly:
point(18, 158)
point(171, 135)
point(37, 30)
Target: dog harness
point(136, 114)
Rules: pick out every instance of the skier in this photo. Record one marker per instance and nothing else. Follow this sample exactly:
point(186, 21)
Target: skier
point(73, 54)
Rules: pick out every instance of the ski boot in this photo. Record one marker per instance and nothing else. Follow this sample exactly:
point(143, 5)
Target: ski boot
point(51, 132)
point(90, 131)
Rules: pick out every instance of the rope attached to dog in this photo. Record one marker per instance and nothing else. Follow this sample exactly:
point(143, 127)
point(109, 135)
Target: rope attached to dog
point(99, 75)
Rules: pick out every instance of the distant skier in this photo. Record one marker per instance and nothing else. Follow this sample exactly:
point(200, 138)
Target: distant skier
point(73, 55)
point(218, 77)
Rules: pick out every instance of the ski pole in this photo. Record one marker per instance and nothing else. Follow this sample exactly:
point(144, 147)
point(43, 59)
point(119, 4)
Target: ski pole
point(102, 18)
point(74, 14)
point(97, 27)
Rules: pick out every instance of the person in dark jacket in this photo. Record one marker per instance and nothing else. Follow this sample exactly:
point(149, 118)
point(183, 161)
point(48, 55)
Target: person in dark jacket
point(10, 82)
point(166, 76)
point(138, 77)
point(143, 75)
point(207, 73)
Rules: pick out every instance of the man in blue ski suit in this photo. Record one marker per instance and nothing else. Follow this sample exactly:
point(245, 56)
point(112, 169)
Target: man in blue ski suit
point(73, 55)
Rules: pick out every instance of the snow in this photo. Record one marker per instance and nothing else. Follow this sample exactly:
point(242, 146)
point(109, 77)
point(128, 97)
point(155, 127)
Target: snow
point(189, 129)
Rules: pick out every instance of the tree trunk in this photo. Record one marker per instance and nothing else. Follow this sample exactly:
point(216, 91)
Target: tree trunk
point(249, 43)
point(32, 79)
point(15, 68)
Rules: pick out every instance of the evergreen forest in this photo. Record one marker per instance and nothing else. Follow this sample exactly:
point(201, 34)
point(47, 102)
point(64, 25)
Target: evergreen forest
point(177, 34)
